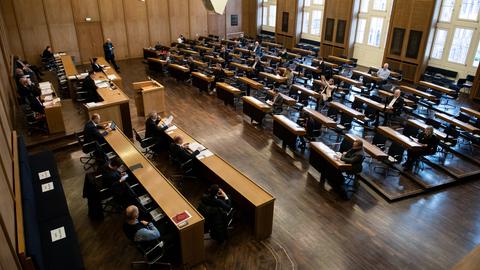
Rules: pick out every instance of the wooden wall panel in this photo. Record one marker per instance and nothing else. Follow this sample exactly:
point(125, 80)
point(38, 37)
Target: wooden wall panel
point(61, 25)
point(198, 18)
point(113, 26)
point(216, 24)
point(159, 23)
point(10, 21)
point(8, 258)
point(86, 8)
point(90, 40)
point(7, 211)
point(137, 27)
point(234, 8)
point(33, 28)
point(179, 24)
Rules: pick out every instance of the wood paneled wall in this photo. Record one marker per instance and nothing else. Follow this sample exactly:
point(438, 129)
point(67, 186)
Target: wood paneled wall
point(292, 9)
point(338, 38)
point(131, 24)
point(8, 257)
point(416, 19)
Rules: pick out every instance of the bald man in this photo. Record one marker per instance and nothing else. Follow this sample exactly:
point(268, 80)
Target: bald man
point(109, 51)
point(91, 130)
point(139, 231)
point(429, 142)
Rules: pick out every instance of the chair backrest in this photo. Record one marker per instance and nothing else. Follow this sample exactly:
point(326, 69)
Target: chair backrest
point(379, 139)
point(376, 98)
point(463, 117)
point(452, 131)
point(137, 136)
point(461, 82)
point(357, 104)
point(345, 145)
point(396, 151)
point(346, 119)
point(434, 123)
point(470, 78)
point(332, 112)
point(410, 130)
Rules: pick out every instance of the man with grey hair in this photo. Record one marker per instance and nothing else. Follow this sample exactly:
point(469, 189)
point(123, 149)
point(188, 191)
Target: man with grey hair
point(139, 230)
point(109, 51)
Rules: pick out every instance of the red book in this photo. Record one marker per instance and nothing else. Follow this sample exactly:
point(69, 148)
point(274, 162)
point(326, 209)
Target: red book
point(181, 217)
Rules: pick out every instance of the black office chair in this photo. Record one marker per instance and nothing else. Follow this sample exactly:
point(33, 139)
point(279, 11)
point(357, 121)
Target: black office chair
point(152, 252)
point(410, 130)
point(185, 168)
point(217, 221)
point(88, 149)
point(434, 123)
point(463, 117)
point(146, 143)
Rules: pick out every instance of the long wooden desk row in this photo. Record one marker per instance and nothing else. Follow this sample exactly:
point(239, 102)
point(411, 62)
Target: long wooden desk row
point(53, 108)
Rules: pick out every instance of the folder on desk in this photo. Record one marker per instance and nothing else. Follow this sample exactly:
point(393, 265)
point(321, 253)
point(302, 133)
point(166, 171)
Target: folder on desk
point(157, 214)
point(185, 215)
point(135, 167)
point(145, 199)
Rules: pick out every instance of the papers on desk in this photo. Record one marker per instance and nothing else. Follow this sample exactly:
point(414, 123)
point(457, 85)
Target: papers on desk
point(102, 84)
point(195, 146)
point(46, 92)
point(145, 199)
point(112, 77)
point(45, 85)
point(166, 121)
point(48, 98)
point(157, 214)
point(204, 154)
point(72, 77)
point(171, 129)
point(93, 104)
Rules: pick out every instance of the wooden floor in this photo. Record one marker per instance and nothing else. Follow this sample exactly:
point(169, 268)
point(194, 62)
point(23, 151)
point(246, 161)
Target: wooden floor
point(313, 228)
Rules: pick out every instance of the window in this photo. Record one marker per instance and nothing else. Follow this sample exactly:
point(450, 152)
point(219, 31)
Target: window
point(269, 15)
point(362, 23)
point(312, 19)
point(380, 5)
point(316, 22)
point(375, 33)
point(460, 45)
point(364, 6)
point(439, 44)
point(476, 60)
point(469, 10)
point(306, 22)
point(447, 10)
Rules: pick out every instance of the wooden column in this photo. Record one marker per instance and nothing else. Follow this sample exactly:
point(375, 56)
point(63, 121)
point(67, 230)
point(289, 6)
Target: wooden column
point(339, 27)
point(252, 17)
point(475, 91)
point(289, 22)
point(410, 36)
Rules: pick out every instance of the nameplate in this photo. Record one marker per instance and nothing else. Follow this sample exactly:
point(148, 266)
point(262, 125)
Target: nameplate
point(47, 187)
point(44, 175)
point(58, 234)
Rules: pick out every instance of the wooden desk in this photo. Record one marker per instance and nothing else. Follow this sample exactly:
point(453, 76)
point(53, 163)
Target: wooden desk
point(368, 76)
point(219, 170)
point(310, 68)
point(465, 126)
point(251, 84)
point(149, 97)
point(320, 118)
point(156, 64)
point(305, 91)
point(168, 198)
point(329, 155)
point(244, 51)
point(214, 59)
point(273, 77)
point(241, 66)
point(289, 101)
point(371, 149)
point(338, 59)
point(372, 103)
point(69, 66)
point(469, 262)
point(293, 55)
point(398, 137)
point(114, 107)
point(202, 81)
point(150, 53)
point(271, 44)
point(439, 88)
point(199, 63)
point(227, 93)
point(327, 64)
point(215, 44)
point(203, 48)
point(108, 73)
point(301, 51)
point(348, 80)
point(345, 109)
point(273, 58)
point(387, 94)
point(255, 109)
point(229, 42)
point(188, 52)
point(417, 92)
point(422, 125)
point(179, 72)
point(287, 130)
point(470, 112)
point(53, 113)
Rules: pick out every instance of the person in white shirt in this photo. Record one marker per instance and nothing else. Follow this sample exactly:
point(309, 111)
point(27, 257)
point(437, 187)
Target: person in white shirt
point(394, 104)
point(383, 73)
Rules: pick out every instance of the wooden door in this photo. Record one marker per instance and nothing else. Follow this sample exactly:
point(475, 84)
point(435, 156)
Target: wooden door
point(90, 40)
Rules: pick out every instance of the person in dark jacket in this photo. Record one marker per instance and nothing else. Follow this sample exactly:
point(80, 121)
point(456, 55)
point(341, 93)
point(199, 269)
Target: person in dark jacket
point(155, 129)
point(180, 152)
point(96, 66)
point(354, 156)
point(109, 51)
point(429, 142)
point(216, 207)
point(393, 105)
point(91, 130)
point(90, 88)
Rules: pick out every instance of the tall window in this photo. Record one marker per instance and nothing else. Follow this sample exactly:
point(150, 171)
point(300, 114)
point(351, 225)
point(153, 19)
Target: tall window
point(370, 24)
point(455, 45)
point(269, 15)
point(312, 19)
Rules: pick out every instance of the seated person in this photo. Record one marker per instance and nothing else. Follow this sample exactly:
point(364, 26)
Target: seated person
point(257, 49)
point(327, 90)
point(139, 230)
point(91, 130)
point(158, 46)
point(283, 53)
point(26, 89)
point(47, 54)
point(113, 179)
point(36, 105)
point(215, 206)
point(290, 76)
point(154, 128)
point(354, 156)
point(429, 142)
point(180, 151)
point(96, 66)
point(90, 88)
point(395, 103)
point(277, 102)
point(383, 73)
point(257, 66)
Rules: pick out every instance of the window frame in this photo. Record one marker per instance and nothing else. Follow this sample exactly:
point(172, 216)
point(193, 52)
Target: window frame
point(319, 7)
